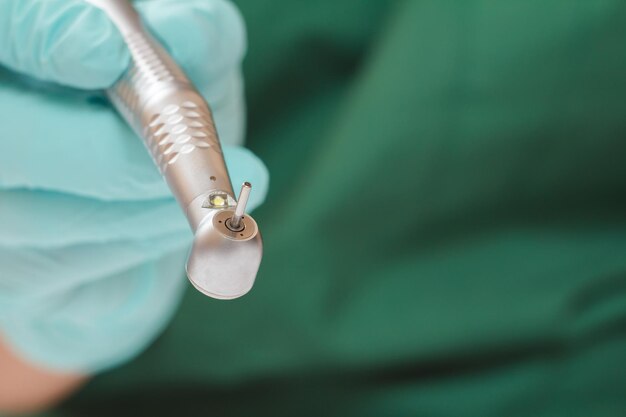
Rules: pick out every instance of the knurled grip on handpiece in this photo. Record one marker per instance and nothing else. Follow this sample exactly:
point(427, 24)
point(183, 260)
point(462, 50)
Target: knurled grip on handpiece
point(175, 123)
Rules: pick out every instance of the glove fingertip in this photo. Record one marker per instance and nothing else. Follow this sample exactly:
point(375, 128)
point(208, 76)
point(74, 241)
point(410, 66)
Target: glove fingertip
point(207, 37)
point(68, 42)
point(92, 55)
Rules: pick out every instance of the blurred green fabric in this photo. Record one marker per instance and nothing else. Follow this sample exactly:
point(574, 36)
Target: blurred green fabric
point(446, 228)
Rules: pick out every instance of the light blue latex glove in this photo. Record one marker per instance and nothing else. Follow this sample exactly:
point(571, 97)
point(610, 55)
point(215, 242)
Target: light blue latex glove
point(92, 245)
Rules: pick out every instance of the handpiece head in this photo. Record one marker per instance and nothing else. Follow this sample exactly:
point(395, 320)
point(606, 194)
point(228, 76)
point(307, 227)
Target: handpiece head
point(226, 252)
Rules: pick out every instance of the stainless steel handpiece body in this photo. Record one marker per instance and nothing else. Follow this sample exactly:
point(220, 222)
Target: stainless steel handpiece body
point(175, 122)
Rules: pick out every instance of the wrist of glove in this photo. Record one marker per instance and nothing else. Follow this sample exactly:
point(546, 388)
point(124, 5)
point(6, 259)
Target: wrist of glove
point(92, 245)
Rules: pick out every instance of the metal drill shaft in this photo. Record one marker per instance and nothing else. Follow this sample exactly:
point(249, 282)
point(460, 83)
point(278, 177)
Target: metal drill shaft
point(240, 209)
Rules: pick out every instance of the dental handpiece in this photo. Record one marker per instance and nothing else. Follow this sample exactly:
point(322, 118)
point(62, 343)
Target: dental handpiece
point(176, 125)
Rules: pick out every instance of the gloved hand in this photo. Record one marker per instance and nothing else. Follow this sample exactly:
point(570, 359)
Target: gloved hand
point(92, 245)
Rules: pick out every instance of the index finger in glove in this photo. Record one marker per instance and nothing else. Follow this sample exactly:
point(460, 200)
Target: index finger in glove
point(65, 41)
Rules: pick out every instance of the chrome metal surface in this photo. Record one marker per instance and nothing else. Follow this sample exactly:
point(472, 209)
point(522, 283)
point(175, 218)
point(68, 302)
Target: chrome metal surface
point(247, 230)
point(175, 122)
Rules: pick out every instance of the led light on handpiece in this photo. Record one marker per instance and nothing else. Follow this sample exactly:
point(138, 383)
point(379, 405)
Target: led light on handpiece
point(218, 200)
